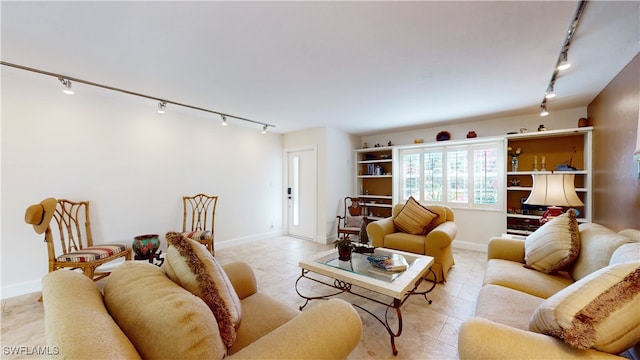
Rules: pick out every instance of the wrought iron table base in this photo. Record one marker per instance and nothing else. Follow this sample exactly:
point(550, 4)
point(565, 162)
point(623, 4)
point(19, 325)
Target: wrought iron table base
point(345, 287)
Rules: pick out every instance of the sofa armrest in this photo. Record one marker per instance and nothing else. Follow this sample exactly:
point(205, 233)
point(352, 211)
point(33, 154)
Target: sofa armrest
point(242, 277)
point(484, 339)
point(328, 330)
point(77, 323)
point(378, 229)
point(440, 237)
point(506, 249)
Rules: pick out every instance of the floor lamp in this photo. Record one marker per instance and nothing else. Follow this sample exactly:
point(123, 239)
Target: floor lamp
point(553, 191)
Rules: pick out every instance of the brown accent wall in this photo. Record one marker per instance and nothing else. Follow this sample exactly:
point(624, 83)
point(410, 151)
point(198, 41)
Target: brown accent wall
point(614, 116)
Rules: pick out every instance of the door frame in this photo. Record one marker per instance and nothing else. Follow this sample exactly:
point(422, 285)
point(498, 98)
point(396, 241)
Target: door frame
point(285, 183)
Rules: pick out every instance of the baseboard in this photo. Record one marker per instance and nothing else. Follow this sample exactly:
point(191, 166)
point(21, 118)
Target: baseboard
point(469, 246)
point(24, 288)
point(247, 239)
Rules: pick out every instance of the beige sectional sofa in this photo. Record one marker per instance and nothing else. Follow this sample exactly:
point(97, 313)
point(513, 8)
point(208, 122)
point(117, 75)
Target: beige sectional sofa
point(512, 294)
point(144, 314)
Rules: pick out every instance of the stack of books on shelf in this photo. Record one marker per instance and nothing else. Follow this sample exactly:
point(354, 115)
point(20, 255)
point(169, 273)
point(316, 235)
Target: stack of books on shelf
point(390, 263)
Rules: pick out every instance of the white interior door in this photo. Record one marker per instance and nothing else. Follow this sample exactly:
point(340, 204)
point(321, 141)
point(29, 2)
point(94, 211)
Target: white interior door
point(301, 193)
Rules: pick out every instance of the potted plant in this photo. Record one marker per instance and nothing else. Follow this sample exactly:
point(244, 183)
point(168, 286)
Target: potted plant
point(344, 246)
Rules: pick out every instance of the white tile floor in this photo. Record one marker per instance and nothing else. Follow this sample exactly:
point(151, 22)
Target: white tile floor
point(429, 331)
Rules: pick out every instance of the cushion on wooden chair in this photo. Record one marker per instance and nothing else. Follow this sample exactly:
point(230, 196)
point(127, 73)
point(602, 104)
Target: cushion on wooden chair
point(92, 253)
point(197, 235)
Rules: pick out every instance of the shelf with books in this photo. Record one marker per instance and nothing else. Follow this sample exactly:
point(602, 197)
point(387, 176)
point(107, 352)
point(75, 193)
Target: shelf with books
point(374, 180)
point(553, 151)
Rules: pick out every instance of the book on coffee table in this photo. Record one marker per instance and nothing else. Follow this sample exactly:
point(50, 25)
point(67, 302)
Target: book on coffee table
point(392, 263)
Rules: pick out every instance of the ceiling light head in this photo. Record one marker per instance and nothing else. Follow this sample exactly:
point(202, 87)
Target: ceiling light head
point(67, 86)
point(564, 61)
point(224, 120)
point(544, 111)
point(264, 129)
point(550, 93)
point(162, 107)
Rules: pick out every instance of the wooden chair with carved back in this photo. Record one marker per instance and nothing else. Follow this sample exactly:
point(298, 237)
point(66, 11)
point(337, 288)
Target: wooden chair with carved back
point(199, 219)
point(352, 221)
point(74, 248)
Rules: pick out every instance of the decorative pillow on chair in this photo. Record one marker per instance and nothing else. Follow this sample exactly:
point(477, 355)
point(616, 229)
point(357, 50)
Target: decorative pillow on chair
point(414, 218)
point(555, 245)
point(190, 265)
point(599, 311)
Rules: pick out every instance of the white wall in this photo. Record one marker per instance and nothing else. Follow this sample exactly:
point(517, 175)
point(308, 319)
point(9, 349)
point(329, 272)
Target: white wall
point(335, 178)
point(133, 164)
point(340, 176)
point(476, 227)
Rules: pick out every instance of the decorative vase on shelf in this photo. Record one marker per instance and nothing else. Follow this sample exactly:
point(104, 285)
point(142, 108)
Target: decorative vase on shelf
point(514, 163)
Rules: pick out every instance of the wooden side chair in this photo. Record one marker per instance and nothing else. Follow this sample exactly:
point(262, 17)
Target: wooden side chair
point(199, 212)
point(352, 221)
point(75, 248)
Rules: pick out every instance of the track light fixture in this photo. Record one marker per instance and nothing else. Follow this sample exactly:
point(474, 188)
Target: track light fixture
point(67, 86)
point(224, 120)
point(162, 105)
point(563, 62)
point(264, 129)
point(544, 111)
point(550, 93)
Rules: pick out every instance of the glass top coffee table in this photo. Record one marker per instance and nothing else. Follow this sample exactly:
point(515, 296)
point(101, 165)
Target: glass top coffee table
point(356, 273)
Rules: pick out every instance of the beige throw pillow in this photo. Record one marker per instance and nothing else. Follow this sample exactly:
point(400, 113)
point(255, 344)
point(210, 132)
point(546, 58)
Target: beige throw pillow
point(414, 218)
point(599, 311)
point(555, 245)
point(190, 265)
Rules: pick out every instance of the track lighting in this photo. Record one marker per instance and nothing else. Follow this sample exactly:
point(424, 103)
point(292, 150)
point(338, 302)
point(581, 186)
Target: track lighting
point(162, 106)
point(544, 111)
point(550, 93)
point(67, 86)
point(564, 62)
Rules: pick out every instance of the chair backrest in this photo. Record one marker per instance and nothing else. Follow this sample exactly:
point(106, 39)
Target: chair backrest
point(352, 206)
point(199, 211)
point(73, 228)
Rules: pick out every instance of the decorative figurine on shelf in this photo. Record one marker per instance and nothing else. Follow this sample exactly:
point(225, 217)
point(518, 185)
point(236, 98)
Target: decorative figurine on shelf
point(514, 182)
point(389, 143)
point(535, 162)
point(365, 146)
point(514, 157)
point(542, 165)
point(542, 128)
point(377, 145)
point(567, 166)
point(471, 134)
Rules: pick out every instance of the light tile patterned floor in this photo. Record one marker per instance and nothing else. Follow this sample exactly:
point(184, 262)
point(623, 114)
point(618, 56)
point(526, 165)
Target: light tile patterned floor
point(429, 331)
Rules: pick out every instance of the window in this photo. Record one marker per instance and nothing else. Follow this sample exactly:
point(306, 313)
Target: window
point(458, 175)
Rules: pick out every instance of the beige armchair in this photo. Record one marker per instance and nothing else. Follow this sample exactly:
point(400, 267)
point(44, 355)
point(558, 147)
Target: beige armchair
point(436, 243)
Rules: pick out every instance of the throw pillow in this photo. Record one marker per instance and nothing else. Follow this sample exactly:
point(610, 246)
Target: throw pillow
point(555, 245)
point(190, 265)
point(414, 218)
point(599, 311)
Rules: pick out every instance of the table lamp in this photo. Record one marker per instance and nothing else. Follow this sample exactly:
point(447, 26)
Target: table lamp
point(553, 191)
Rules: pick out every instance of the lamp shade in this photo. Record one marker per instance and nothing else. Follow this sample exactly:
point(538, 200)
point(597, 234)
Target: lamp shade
point(554, 190)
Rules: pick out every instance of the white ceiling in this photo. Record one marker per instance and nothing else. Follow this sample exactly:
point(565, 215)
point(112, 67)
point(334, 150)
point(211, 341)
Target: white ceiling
point(361, 67)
